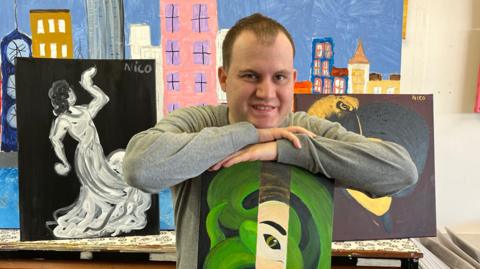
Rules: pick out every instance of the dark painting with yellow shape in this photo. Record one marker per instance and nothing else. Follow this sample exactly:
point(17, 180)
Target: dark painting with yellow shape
point(404, 119)
point(265, 215)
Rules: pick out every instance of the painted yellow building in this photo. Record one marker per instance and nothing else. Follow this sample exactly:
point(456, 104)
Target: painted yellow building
point(383, 86)
point(358, 71)
point(51, 33)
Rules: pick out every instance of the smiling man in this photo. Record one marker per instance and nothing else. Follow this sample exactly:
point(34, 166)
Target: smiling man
point(256, 124)
point(263, 69)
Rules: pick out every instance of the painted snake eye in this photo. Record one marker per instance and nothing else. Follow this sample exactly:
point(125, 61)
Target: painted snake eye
point(342, 106)
point(271, 241)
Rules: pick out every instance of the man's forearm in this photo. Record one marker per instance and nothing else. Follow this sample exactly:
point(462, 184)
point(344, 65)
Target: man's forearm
point(378, 168)
point(155, 159)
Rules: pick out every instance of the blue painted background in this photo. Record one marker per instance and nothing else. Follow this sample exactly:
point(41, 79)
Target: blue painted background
point(9, 214)
point(136, 11)
point(377, 22)
point(166, 210)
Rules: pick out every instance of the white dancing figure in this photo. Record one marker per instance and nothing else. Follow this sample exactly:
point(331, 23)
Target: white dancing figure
point(106, 204)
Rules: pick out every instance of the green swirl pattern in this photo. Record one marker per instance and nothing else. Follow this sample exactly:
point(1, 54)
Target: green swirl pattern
point(309, 238)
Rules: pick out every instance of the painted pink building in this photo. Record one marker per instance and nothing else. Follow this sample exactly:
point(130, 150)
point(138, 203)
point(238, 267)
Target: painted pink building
point(188, 35)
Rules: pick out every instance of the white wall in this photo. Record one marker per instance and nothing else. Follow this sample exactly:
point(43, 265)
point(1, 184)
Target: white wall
point(440, 55)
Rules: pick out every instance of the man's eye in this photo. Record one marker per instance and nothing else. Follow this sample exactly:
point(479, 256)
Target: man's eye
point(280, 77)
point(249, 76)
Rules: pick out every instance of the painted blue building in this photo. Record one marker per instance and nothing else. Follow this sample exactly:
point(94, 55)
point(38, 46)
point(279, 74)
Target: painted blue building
point(13, 45)
point(106, 37)
point(321, 66)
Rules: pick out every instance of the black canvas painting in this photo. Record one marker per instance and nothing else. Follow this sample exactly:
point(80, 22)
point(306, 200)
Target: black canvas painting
point(75, 118)
point(404, 119)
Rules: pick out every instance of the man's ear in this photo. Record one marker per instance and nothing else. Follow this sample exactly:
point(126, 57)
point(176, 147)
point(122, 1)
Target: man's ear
point(222, 78)
point(294, 76)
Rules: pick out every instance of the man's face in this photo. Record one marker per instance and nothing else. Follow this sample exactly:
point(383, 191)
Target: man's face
point(259, 82)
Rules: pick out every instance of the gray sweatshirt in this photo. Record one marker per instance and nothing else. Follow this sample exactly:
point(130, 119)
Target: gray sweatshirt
point(189, 141)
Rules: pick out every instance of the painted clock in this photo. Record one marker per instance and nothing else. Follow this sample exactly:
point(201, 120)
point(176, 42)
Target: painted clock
point(12, 116)
point(17, 48)
point(13, 45)
point(11, 87)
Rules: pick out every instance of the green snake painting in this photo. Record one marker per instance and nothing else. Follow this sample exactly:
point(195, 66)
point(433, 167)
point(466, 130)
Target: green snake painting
point(231, 222)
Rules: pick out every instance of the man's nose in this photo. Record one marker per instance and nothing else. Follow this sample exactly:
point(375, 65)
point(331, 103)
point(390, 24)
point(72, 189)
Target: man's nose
point(265, 89)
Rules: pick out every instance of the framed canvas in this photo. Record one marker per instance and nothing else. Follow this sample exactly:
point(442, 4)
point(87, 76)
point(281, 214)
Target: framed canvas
point(263, 214)
point(75, 118)
point(404, 119)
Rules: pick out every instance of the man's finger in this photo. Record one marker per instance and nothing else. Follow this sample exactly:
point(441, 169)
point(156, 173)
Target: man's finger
point(293, 138)
point(301, 130)
point(214, 167)
point(243, 157)
point(221, 163)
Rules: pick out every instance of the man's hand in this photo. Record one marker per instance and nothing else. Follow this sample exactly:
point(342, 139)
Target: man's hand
point(256, 152)
point(266, 149)
point(272, 134)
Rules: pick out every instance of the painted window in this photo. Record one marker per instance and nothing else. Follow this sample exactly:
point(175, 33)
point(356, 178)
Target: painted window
point(173, 81)
point(316, 67)
point(53, 50)
point(64, 51)
point(172, 52)
point(40, 28)
point(390, 90)
point(358, 80)
point(325, 68)
point(327, 85)
point(201, 53)
point(317, 85)
point(319, 50)
point(200, 18)
point(172, 18)
point(173, 106)
point(51, 26)
point(328, 50)
point(339, 85)
point(61, 26)
point(42, 49)
point(200, 82)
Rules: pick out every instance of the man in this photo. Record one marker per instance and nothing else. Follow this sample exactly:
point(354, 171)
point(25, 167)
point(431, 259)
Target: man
point(258, 78)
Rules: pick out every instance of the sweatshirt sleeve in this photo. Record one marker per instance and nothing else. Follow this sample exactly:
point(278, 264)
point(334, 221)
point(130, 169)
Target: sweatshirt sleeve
point(377, 167)
point(181, 146)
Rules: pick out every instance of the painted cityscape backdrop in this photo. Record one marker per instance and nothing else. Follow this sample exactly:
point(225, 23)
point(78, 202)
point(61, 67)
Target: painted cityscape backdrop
point(343, 46)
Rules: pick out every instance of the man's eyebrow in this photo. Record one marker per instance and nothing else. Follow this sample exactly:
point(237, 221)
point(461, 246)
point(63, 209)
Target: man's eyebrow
point(276, 226)
point(248, 70)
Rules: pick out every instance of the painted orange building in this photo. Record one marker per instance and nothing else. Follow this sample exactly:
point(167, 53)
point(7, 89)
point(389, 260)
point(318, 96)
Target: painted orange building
point(303, 87)
point(51, 33)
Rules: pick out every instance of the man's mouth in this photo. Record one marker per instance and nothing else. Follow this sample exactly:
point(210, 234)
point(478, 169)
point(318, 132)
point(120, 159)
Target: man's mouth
point(263, 107)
